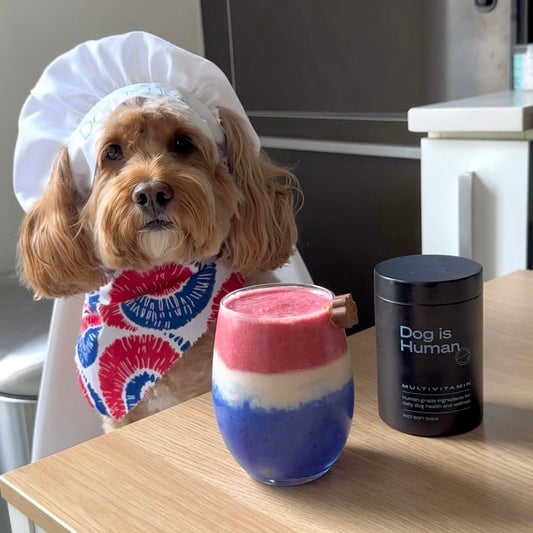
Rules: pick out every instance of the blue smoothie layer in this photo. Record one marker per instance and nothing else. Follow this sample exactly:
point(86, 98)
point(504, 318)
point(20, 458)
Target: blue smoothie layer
point(292, 444)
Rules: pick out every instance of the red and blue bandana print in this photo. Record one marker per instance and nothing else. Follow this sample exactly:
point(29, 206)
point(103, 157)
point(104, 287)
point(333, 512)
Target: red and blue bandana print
point(137, 326)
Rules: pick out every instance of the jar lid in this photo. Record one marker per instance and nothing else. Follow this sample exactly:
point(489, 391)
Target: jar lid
point(428, 279)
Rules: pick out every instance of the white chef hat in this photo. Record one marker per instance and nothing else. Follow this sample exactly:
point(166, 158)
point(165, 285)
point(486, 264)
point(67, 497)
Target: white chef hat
point(78, 89)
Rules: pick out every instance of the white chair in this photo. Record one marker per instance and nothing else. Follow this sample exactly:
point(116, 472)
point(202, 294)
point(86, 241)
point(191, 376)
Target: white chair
point(63, 418)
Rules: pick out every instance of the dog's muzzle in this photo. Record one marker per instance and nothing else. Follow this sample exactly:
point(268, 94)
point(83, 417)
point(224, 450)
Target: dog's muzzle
point(152, 198)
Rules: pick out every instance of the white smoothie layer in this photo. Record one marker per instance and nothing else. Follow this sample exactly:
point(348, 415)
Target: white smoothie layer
point(285, 390)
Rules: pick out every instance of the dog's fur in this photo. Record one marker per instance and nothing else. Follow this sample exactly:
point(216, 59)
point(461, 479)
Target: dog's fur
point(242, 209)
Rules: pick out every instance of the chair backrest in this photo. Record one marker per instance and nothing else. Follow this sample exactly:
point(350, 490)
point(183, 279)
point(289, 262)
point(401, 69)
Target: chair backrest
point(63, 418)
point(295, 270)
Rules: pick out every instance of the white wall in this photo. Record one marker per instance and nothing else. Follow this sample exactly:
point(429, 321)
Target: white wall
point(33, 33)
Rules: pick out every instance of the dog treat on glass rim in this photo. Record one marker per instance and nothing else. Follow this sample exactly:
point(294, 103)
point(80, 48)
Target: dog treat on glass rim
point(342, 311)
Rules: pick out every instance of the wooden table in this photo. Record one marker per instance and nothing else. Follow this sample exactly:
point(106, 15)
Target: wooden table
point(171, 472)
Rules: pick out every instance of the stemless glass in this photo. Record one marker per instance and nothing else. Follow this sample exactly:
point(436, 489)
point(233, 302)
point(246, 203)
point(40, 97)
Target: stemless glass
point(283, 388)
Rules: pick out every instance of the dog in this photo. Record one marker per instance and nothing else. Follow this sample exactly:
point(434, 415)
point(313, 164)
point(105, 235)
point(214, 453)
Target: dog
point(163, 194)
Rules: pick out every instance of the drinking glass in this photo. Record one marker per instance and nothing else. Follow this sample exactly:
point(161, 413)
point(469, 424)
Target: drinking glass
point(283, 390)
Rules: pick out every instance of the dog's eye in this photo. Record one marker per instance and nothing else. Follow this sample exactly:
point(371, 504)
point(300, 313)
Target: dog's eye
point(113, 152)
point(182, 144)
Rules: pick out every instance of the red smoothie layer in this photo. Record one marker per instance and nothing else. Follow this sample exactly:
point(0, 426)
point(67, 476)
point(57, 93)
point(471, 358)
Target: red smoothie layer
point(278, 329)
point(272, 303)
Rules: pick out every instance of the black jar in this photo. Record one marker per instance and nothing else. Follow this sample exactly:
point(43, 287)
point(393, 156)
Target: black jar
point(429, 333)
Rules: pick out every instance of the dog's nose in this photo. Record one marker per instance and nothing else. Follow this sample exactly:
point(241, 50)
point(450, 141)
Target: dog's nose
point(152, 196)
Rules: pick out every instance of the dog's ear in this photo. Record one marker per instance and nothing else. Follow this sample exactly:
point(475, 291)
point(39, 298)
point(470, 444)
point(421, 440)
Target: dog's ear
point(263, 233)
point(56, 257)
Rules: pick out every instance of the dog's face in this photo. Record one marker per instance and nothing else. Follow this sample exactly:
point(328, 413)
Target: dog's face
point(161, 190)
point(161, 193)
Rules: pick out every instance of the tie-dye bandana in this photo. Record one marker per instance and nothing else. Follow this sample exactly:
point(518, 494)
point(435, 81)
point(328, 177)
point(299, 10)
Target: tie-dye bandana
point(137, 326)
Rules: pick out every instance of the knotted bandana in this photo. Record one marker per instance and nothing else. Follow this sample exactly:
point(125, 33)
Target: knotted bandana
point(139, 324)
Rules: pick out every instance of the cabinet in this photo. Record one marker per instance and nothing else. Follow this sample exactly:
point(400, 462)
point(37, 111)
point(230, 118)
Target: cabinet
point(476, 197)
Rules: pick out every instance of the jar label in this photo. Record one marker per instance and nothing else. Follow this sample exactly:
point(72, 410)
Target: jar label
point(427, 402)
point(428, 341)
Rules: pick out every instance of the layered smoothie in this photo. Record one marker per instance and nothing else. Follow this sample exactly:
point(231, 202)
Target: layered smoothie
point(282, 382)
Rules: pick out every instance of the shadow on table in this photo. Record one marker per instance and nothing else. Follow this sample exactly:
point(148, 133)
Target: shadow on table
point(503, 423)
point(376, 485)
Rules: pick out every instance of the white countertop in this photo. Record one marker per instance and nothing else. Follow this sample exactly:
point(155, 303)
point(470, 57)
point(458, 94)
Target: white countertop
point(508, 111)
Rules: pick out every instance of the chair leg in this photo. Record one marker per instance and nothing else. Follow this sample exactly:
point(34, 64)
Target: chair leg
point(19, 522)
